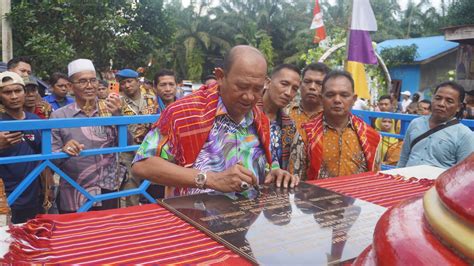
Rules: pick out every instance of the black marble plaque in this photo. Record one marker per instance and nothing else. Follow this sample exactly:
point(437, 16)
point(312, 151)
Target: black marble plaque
point(304, 225)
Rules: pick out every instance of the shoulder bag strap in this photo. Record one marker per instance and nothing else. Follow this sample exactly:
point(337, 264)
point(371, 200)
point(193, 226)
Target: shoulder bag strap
point(432, 131)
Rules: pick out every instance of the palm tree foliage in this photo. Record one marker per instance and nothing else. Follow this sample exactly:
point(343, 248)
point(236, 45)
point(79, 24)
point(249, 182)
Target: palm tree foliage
point(193, 40)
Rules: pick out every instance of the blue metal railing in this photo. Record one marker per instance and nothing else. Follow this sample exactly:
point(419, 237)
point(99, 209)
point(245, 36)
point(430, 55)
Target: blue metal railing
point(122, 122)
point(47, 155)
point(405, 119)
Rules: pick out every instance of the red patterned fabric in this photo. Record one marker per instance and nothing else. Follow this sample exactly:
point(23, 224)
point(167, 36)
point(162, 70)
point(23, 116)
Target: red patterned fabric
point(135, 235)
point(150, 234)
point(369, 140)
point(381, 189)
point(186, 123)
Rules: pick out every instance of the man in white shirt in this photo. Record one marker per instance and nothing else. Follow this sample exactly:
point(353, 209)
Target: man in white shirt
point(406, 100)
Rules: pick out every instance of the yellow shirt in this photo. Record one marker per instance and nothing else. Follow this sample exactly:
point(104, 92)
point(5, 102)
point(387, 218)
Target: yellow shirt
point(342, 153)
point(391, 149)
point(144, 90)
point(299, 116)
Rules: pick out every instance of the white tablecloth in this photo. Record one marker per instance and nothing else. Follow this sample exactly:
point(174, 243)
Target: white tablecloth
point(419, 171)
point(4, 240)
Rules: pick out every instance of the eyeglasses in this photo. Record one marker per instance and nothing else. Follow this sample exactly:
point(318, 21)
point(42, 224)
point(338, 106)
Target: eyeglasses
point(84, 82)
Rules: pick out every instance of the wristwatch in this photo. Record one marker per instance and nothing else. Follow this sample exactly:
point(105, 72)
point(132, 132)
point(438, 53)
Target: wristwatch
point(200, 180)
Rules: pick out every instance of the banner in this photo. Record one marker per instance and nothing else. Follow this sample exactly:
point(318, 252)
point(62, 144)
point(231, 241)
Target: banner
point(360, 50)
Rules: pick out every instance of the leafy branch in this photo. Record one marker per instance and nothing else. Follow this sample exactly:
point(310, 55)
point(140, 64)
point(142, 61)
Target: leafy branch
point(399, 55)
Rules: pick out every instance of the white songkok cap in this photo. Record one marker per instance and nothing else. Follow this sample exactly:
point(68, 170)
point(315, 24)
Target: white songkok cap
point(79, 65)
point(407, 93)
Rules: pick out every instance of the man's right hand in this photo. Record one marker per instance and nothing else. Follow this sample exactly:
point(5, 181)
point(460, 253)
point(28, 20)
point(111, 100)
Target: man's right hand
point(8, 139)
point(231, 179)
point(114, 104)
point(73, 147)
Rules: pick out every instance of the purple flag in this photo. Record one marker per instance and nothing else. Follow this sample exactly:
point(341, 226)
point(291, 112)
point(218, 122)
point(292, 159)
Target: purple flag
point(360, 47)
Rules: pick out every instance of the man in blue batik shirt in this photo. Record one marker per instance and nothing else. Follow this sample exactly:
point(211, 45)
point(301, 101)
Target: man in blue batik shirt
point(447, 146)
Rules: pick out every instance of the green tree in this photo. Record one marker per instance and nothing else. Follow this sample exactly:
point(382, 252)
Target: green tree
point(194, 38)
point(54, 32)
point(399, 55)
point(337, 14)
point(265, 46)
point(420, 19)
point(337, 58)
point(146, 27)
point(386, 13)
point(250, 22)
point(460, 12)
point(195, 43)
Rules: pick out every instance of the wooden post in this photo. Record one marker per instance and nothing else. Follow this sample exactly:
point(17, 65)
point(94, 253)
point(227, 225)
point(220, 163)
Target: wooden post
point(7, 46)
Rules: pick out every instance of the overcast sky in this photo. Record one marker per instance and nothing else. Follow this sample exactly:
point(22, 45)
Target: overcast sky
point(435, 3)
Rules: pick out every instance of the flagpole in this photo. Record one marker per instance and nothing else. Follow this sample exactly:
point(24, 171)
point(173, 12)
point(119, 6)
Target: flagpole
point(348, 30)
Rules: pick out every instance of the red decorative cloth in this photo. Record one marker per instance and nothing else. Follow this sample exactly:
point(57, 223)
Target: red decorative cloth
point(186, 123)
point(150, 234)
point(369, 140)
point(381, 189)
point(136, 235)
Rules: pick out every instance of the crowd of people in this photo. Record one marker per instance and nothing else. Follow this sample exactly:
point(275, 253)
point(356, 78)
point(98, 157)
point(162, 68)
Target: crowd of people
point(241, 129)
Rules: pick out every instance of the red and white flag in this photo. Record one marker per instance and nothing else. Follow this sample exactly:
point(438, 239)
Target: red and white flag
point(318, 23)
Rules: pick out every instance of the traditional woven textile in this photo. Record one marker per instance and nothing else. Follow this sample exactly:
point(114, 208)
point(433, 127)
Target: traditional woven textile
point(369, 141)
point(150, 234)
point(185, 125)
point(134, 235)
point(381, 189)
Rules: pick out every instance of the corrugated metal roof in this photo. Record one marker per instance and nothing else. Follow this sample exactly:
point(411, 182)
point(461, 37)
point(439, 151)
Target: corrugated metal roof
point(427, 46)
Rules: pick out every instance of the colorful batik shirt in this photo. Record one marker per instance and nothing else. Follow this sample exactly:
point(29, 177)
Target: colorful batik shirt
point(298, 164)
point(94, 172)
point(145, 105)
point(342, 152)
point(391, 149)
point(275, 142)
point(299, 116)
point(228, 143)
point(43, 109)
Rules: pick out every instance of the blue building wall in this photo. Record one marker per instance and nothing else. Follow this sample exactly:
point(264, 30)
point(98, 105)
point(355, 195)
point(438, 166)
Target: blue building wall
point(409, 75)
